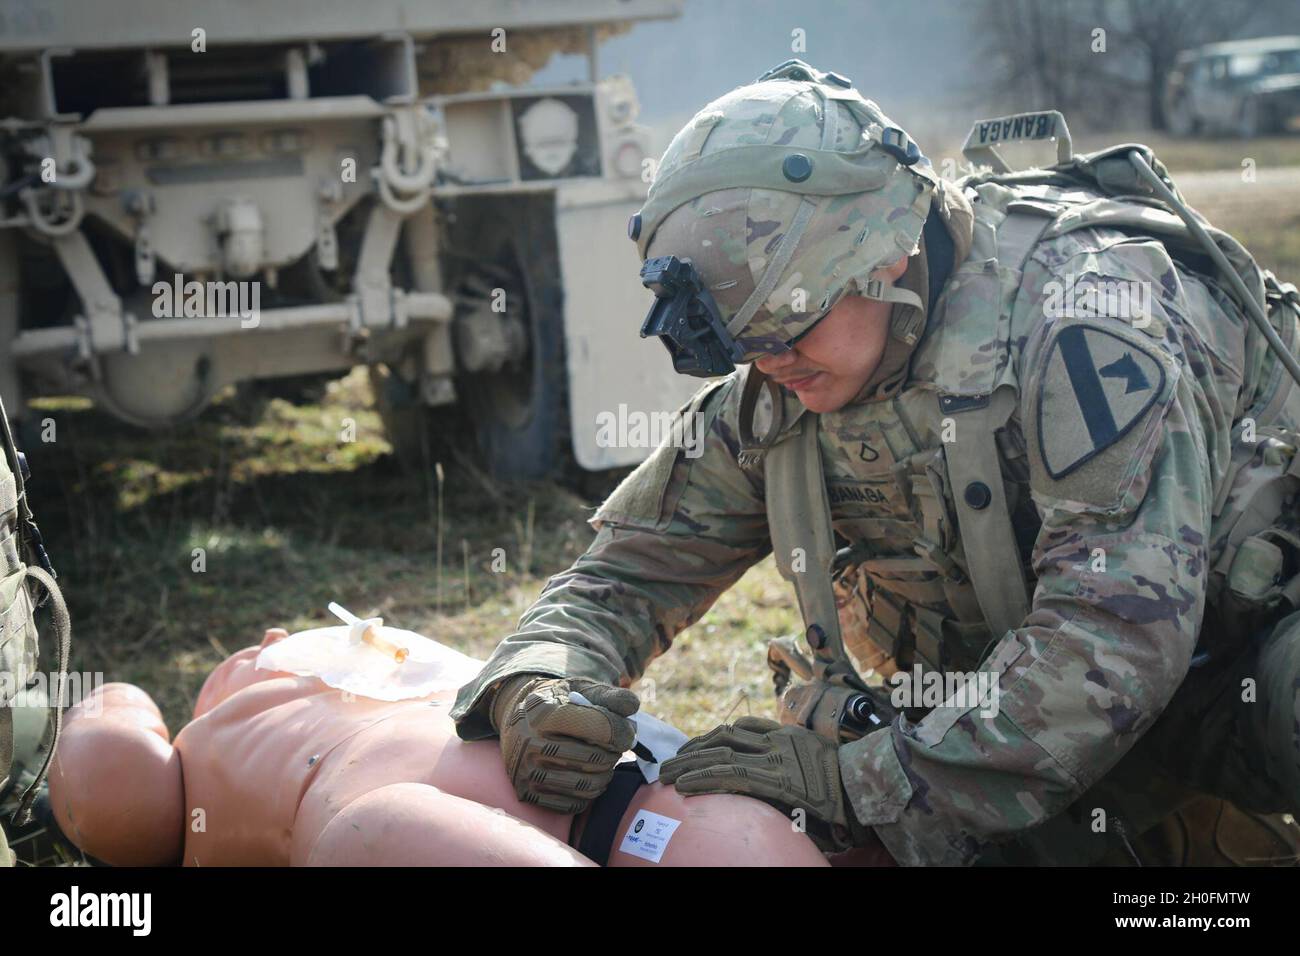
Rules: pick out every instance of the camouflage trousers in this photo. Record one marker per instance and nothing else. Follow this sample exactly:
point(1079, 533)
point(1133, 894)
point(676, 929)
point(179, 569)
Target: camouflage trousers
point(1209, 783)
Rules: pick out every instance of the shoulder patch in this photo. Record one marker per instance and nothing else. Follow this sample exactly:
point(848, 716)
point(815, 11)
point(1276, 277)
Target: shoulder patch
point(1097, 400)
point(1095, 387)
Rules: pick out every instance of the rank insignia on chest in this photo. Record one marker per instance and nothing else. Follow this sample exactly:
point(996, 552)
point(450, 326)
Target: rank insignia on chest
point(751, 460)
point(1095, 387)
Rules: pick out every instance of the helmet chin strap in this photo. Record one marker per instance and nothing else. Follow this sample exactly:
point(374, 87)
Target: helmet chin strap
point(906, 322)
point(882, 291)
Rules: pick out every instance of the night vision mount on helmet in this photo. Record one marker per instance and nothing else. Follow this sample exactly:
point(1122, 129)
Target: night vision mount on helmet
point(686, 319)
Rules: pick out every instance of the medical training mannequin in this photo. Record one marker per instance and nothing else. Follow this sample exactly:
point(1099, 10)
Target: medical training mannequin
point(279, 770)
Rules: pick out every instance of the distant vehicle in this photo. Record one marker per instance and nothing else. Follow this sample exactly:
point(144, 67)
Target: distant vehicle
point(195, 194)
point(1243, 88)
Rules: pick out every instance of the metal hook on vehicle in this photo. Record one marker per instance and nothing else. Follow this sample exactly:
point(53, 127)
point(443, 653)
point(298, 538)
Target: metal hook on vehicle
point(50, 227)
point(401, 132)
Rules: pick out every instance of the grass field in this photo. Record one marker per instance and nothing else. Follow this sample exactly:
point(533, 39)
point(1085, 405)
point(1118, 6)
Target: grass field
point(289, 516)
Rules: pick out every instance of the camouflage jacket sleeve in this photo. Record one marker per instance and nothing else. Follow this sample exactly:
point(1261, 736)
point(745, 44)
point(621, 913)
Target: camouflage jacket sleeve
point(679, 531)
point(1127, 425)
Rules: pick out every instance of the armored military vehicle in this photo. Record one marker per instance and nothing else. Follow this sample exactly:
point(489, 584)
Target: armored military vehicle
point(195, 194)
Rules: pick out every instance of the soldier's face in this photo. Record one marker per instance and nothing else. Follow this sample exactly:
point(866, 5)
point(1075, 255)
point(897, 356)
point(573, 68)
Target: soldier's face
point(831, 364)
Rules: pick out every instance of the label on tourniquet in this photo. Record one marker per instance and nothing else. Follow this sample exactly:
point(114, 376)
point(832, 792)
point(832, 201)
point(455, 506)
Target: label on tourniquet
point(648, 835)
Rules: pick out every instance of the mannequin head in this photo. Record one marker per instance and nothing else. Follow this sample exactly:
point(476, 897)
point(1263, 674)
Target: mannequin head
point(115, 784)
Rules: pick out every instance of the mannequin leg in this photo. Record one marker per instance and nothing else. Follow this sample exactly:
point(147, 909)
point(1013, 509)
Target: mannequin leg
point(413, 824)
point(717, 829)
point(409, 824)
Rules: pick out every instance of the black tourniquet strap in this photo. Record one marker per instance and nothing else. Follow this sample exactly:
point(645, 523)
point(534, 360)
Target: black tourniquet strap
point(607, 810)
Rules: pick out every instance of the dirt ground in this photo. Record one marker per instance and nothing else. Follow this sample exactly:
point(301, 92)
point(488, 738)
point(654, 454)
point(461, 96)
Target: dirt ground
point(176, 548)
point(1263, 213)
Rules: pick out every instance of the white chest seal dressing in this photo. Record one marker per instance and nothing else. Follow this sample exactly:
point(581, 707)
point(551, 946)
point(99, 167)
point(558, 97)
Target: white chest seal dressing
point(343, 659)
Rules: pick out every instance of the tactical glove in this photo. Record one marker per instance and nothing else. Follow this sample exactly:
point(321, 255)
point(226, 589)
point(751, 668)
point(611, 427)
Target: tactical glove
point(789, 767)
point(560, 754)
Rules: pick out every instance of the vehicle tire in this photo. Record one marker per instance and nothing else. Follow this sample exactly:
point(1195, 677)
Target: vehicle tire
point(1180, 121)
point(249, 403)
point(406, 419)
point(519, 413)
point(1250, 120)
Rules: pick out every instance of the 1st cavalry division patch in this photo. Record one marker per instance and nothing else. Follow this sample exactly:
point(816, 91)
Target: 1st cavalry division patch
point(1095, 387)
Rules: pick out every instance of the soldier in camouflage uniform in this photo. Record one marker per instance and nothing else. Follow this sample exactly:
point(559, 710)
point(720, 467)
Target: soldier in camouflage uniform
point(920, 332)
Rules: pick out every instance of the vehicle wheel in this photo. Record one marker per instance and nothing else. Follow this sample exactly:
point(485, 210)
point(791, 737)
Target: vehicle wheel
point(249, 402)
point(1249, 120)
point(405, 418)
point(520, 411)
point(1180, 121)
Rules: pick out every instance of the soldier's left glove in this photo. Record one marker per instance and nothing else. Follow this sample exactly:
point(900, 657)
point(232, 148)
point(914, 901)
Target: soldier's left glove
point(789, 767)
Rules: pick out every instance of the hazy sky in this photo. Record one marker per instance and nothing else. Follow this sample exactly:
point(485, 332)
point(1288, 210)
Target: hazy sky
point(907, 55)
point(920, 60)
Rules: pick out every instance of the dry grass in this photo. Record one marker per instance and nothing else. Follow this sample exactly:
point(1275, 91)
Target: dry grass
point(289, 517)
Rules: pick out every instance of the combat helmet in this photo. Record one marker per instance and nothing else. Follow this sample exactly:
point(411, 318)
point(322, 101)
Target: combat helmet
point(772, 203)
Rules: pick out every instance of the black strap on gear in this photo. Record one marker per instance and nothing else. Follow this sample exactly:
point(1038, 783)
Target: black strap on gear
point(939, 253)
point(606, 812)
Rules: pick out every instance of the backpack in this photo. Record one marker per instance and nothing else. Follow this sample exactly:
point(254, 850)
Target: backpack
point(1254, 543)
point(24, 572)
point(1254, 537)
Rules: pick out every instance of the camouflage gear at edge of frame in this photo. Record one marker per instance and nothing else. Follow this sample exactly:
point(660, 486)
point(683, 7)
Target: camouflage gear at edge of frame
point(19, 544)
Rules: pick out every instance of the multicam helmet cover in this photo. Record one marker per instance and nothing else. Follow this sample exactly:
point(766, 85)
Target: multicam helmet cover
point(784, 195)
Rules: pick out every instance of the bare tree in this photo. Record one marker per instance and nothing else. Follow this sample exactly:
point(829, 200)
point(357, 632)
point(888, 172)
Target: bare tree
point(1159, 29)
point(1028, 53)
point(1049, 53)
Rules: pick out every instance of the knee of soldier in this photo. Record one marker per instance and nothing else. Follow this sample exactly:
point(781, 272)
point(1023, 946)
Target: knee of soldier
point(1275, 711)
point(719, 829)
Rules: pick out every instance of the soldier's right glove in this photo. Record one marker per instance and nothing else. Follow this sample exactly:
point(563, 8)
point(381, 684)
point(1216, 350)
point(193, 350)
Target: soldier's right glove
point(560, 754)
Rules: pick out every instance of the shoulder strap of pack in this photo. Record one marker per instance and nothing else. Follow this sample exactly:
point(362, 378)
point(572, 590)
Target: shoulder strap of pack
point(1283, 302)
point(975, 470)
point(803, 543)
point(803, 540)
point(63, 637)
point(983, 517)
